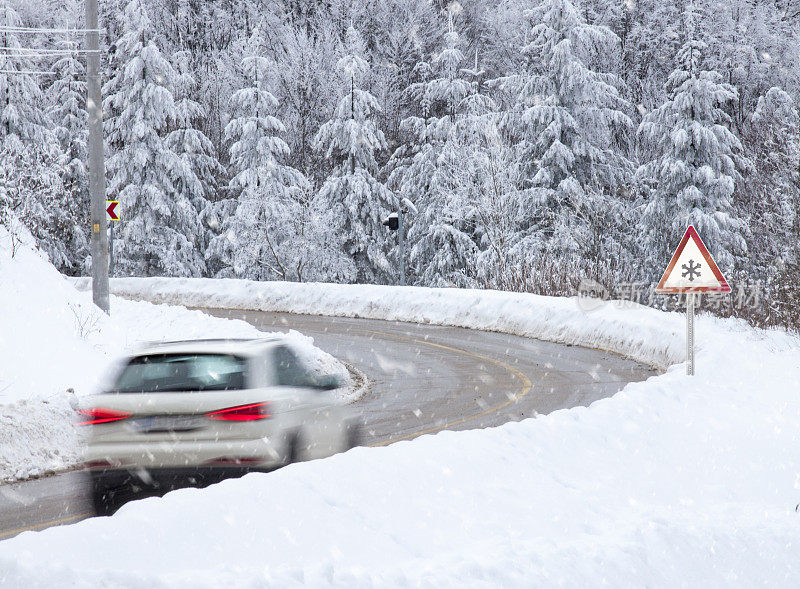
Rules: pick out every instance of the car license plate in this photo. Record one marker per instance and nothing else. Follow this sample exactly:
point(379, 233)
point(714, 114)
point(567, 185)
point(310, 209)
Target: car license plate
point(167, 423)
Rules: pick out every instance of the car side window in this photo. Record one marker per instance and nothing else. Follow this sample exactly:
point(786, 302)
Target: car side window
point(290, 370)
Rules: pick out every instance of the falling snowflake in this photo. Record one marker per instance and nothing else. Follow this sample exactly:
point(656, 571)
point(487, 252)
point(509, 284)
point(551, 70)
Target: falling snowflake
point(691, 270)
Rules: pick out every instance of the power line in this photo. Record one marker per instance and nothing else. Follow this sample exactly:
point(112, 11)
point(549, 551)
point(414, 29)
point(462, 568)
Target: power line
point(31, 72)
point(42, 50)
point(32, 30)
point(30, 55)
point(25, 51)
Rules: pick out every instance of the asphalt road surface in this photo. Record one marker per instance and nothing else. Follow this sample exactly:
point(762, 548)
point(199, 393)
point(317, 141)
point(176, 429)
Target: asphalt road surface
point(423, 379)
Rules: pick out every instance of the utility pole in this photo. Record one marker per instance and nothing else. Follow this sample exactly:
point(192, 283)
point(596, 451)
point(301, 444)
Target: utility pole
point(402, 240)
point(97, 173)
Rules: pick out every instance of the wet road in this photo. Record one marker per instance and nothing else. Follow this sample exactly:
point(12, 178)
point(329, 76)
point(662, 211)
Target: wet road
point(423, 379)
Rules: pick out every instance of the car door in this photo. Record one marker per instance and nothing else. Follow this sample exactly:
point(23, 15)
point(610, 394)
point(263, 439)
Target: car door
point(311, 408)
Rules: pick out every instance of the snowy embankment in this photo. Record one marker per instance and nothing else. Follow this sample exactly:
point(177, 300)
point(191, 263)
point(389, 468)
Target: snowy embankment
point(676, 481)
point(53, 339)
point(649, 336)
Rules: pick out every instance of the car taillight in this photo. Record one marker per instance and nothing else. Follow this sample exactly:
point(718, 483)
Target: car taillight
point(232, 461)
point(252, 412)
point(97, 464)
point(102, 415)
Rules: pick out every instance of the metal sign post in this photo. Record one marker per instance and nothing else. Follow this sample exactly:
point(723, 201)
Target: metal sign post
point(690, 334)
point(396, 222)
point(111, 250)
point(402, 240)
point(691, 271)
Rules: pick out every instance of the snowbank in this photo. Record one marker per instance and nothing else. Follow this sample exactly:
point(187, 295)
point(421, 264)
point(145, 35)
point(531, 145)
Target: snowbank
point(676, 481)
point(54, 339)
point(647, 335)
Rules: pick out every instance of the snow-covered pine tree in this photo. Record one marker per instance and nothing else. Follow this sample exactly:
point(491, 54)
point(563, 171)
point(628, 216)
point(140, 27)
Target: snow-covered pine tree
point(191, 144)
point(306, 91)
point(258, 241)
point(156, 187)
point(440, 252)
point(570, 123)
point(478, 224)
point(30, 184)
point(771, 205)
point(355, 197)
point(19, 121)
point(66, 98)
point(399, 34)
point(186, 139)
point(771, 208)
point(441, 94)
point(689, 170)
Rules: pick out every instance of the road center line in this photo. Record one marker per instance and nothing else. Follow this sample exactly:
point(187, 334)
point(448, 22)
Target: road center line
point(527, 385)
point(56, 522)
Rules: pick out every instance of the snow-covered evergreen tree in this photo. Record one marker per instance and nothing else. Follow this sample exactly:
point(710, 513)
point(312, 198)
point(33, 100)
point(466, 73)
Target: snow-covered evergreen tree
point(30, 183)
point(570, 122)
point(771, 205)
point(689, 172)
point(446, 146)
point(771, 211)
point(156, 187)
point(189, 142)
point(186, 139)
point(357, 200)
point(440, 251)
point(259, 240)
point(306, 91)
point(20, 121)
point(443, 87)
point(476, 228)
point(67, 99)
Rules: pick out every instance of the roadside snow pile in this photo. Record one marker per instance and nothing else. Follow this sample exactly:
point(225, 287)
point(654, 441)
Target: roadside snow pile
point(54, 339)
point(647, 336)
point(676, 481)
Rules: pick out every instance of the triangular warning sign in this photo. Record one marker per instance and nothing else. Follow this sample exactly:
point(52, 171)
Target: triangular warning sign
point(692, 269)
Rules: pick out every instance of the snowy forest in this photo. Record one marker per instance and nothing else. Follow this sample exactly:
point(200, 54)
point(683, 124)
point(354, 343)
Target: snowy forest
point(533, 143)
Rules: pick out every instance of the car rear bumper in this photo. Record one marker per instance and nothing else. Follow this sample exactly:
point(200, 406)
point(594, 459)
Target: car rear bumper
point(166, 478)
point(263, 453)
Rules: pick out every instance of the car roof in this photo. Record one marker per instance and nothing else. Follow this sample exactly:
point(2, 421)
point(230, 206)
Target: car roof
point(239, 346)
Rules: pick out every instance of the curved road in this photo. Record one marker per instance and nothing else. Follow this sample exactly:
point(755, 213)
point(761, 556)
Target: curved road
point(423, 379)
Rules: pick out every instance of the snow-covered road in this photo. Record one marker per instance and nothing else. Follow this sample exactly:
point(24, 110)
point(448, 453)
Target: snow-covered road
point(423, 379)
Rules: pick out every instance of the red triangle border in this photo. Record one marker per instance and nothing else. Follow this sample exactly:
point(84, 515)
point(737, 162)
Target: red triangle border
point(724, 287)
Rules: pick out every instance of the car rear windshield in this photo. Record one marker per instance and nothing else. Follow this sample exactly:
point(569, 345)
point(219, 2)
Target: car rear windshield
point(181, 372)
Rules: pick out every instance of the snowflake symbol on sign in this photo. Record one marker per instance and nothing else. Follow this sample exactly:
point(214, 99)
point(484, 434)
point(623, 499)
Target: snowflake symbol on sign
point(691, 270)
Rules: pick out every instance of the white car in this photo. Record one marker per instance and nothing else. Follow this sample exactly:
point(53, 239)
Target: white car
point(208, 409)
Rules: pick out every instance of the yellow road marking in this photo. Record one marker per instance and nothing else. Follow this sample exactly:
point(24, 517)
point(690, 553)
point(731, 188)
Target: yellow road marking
point(527, 385)
point(55, 522)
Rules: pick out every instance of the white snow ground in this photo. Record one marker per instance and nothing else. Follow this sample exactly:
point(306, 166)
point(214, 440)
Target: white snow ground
point(53, 339)
point(676, 481)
